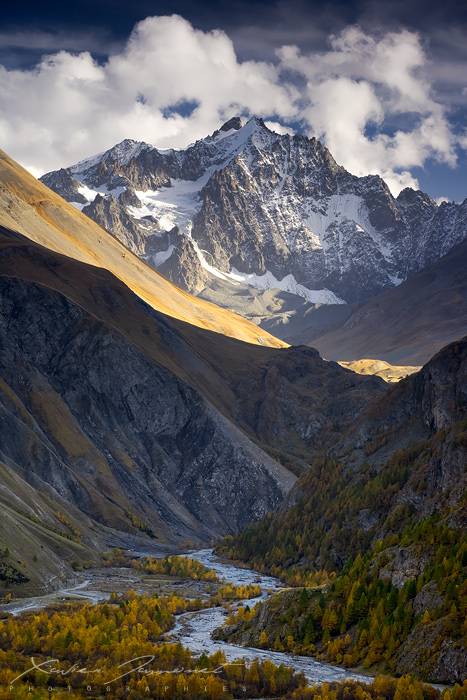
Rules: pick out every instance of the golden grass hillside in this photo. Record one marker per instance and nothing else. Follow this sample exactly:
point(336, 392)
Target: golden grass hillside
point(380, 368)
point(29, 207)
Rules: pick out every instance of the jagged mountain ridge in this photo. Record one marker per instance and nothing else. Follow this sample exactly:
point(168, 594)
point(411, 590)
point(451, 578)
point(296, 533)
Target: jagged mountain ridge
point(247, 205)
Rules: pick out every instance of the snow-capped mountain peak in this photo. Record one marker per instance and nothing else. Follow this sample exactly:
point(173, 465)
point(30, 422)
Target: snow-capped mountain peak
point(252, 207)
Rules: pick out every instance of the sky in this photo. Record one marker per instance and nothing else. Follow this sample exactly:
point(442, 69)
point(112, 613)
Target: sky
point(382, 83)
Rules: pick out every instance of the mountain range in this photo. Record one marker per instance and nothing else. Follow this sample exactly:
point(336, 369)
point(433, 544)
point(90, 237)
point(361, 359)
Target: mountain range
point(267, 225)
point(404, 325)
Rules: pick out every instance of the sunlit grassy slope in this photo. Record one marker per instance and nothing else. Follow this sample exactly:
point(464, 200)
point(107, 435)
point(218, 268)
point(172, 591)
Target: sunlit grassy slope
point(29, 207)
point(380, 368)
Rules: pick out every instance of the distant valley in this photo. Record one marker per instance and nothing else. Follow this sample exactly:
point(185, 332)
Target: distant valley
point(115, 410)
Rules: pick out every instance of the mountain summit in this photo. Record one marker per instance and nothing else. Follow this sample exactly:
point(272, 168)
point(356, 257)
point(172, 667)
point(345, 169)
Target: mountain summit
point(248, 209)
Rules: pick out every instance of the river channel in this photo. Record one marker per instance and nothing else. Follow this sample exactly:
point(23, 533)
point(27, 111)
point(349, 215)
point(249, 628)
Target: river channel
point(194, 630)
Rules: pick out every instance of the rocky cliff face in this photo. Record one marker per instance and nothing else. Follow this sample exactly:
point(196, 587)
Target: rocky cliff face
point(432, 400)
point(294, 402)
point(100, 423)
point(424, 415)
point(265, 210)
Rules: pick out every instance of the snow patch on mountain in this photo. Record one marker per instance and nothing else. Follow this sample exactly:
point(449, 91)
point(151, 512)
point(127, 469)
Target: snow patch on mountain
point(177, 204)
point(123, 153)
point(90, 194)
point(205, 265)
point(269, 281)
point(221, 135)
point(171, 206)
point(287, 284)
point(348, 208)
point(161, 257)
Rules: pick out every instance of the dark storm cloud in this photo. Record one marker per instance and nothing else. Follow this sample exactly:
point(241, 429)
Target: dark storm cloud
point(257, 27)
point(20, 48)
point(421, 15)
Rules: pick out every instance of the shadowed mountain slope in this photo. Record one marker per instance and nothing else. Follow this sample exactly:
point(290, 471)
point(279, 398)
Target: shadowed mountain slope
point(91, 413)
point(132, 421)
point(389, 511)
point(407, 324)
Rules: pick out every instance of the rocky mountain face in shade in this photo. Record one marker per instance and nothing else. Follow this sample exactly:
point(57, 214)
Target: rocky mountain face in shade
point(130, 423)
point(416, 408)
point(392, 500)
point(251, 207)
point(88, 416)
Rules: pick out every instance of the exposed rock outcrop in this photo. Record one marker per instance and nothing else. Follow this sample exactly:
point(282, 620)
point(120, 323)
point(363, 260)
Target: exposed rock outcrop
point(127, 416)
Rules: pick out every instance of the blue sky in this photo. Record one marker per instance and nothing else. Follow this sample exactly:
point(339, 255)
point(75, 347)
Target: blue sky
point(383, 84)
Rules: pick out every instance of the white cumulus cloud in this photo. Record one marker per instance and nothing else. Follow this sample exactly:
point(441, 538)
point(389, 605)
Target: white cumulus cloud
point(280, 128)
point(357, 94)
point(69, 106)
